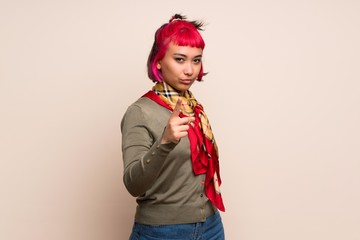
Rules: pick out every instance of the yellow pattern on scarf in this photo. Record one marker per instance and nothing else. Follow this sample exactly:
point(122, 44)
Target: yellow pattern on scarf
point(170, 96)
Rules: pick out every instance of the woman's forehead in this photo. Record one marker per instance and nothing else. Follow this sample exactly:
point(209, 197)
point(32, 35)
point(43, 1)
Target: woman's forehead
point(184, 50)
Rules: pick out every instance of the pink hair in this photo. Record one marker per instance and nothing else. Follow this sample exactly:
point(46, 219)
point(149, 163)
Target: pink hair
point(179, 32)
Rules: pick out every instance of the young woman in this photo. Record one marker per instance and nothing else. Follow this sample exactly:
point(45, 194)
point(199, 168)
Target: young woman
point(169, 151)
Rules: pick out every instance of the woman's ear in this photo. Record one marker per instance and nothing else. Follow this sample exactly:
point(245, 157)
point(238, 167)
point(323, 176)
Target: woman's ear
point(158, 65)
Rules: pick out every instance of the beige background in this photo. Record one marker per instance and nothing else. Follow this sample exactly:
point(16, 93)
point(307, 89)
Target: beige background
point(283, 97)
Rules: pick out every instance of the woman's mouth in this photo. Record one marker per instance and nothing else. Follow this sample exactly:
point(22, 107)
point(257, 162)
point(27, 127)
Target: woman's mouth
point(186, 81)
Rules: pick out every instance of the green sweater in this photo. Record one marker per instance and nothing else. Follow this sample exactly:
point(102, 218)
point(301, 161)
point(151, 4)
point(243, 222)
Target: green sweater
point(160, 175)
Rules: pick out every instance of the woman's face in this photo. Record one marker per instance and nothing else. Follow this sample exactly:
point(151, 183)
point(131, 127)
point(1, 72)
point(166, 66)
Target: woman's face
point(180, 66)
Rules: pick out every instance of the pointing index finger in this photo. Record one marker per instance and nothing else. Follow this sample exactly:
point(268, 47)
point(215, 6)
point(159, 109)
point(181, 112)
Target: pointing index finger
point(177, 107)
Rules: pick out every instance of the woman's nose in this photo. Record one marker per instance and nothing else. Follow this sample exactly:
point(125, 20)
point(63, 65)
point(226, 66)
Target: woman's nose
point(188, 70)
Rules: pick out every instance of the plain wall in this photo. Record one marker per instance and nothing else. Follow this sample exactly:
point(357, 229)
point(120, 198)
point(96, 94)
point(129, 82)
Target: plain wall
point(282, 94)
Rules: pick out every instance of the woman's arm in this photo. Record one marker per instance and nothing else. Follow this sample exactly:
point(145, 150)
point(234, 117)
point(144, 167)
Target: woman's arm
point(143, 154)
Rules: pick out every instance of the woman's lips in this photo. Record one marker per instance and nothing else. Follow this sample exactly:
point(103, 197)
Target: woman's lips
point(186, 81)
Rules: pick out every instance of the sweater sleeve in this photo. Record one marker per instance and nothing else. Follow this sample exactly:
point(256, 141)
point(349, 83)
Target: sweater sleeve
point(143, 155)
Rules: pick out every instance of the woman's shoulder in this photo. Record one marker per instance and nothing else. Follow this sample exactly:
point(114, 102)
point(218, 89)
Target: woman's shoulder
point(145, 111)
point(145, 107)
point(143, 103)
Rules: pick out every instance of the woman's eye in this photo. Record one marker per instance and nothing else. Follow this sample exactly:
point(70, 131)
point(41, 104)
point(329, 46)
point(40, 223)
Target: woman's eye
point(197, 60)
point(179, 59)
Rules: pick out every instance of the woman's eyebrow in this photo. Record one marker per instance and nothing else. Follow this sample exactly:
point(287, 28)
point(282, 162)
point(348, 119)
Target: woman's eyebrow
point(183, 55)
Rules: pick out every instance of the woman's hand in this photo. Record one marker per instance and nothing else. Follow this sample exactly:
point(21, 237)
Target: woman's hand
point(176, 127)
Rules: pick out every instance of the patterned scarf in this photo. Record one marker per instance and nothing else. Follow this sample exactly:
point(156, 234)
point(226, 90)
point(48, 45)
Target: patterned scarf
point(204, 150)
